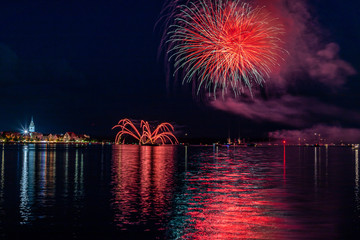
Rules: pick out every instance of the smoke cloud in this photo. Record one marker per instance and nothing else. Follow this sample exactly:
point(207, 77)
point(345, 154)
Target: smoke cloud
point(290, 110)
point(328, 68)
point(318, 134)
point(309, 54)
point(312, 65)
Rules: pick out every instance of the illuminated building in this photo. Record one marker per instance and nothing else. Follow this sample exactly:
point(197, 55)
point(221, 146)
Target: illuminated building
point(32, 126)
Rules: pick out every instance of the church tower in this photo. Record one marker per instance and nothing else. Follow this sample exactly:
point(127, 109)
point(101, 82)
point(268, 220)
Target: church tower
point(32, 126)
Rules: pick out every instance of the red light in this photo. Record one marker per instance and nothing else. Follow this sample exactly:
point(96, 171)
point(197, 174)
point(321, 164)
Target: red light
point(284, 142)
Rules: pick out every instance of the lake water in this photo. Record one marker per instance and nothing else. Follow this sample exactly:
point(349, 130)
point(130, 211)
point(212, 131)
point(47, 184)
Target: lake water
point(177, 192)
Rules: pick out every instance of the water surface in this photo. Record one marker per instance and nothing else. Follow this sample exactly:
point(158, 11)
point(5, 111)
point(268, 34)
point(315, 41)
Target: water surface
point(177, 192)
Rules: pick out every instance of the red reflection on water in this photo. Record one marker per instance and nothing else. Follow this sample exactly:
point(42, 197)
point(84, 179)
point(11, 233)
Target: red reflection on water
point(284, 163)
point(223, 217)
point(232, 217)
point(142, 183)
point(226, 202)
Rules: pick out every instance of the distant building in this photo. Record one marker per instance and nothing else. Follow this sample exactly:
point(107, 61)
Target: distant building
point(11, 136)
point(28, 134)
point(52, 137)
point(37, 136)
point(84, 137)
point(70, 136)
point(32, 126)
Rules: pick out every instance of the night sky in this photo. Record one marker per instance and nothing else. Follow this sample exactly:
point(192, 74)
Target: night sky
point(83, 65)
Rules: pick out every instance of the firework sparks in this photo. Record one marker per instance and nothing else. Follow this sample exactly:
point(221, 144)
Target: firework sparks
point(161, 134)
point(224, 44)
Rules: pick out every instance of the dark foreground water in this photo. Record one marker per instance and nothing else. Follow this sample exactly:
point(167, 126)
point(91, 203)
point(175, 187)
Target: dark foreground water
point(175, 192)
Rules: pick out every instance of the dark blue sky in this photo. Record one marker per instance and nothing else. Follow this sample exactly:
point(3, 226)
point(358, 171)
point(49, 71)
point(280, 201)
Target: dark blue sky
point(83, 65)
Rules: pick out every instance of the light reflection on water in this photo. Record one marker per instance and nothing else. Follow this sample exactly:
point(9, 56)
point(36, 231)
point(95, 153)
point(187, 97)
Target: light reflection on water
point(24, 196)
point(231, 195)
point(143, 182)
point(176, 192)
point(357, 190)
point(2, 182)
point(38, 181)
point(239, 193)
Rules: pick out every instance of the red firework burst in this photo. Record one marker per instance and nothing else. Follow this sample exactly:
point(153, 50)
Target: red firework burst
point(222, 44)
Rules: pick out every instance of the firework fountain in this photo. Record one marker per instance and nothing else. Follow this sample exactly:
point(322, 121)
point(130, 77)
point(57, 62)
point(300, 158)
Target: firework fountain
point(160, 135)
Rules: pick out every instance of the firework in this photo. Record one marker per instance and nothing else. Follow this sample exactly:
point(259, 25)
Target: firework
point(223, 44)
point(161, 134)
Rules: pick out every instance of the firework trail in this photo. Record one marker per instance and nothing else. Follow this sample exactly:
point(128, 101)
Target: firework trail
point(222, 44)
